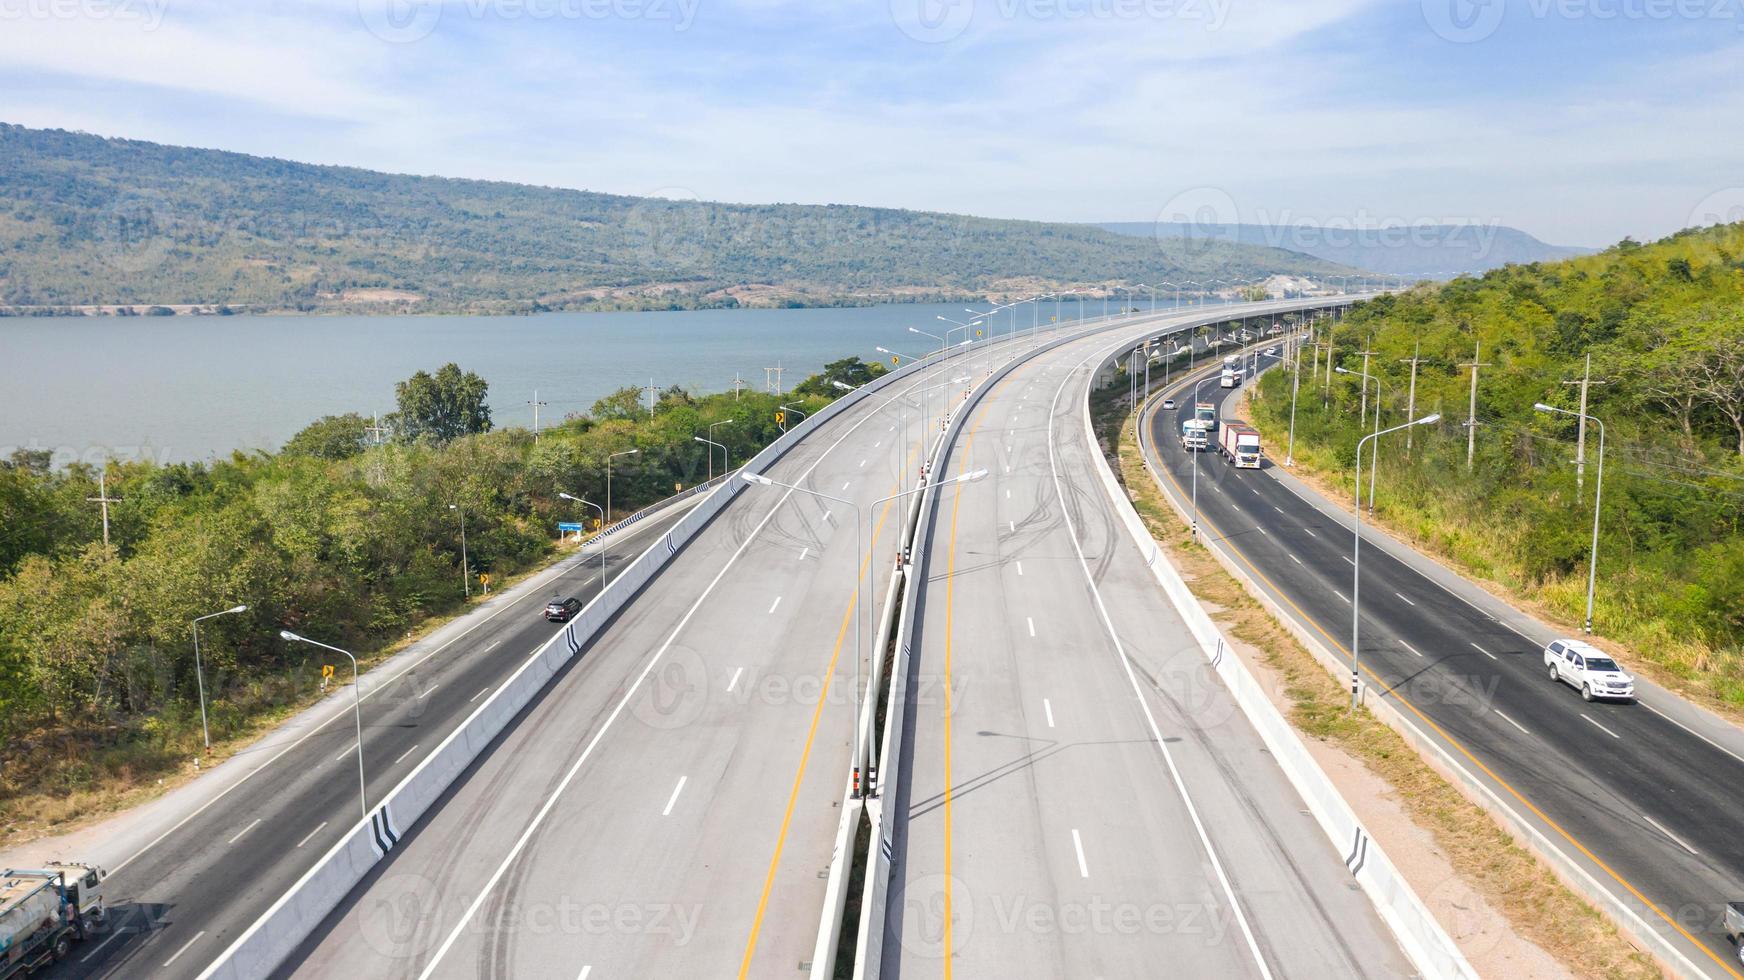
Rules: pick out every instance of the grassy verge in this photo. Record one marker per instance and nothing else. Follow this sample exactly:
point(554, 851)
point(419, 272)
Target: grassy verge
point(1511, 879)
point(1639, 608)
point(56, 782)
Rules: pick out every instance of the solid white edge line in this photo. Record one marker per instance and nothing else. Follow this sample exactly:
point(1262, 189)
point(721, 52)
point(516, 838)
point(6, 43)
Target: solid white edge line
point(674, 798)
point(1687, 728)
point(587, 751)
point(1144, 703)
point(312, 833)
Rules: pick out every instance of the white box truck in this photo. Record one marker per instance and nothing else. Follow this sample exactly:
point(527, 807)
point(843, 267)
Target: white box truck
point(43, 911)
point(1227, 379)
point(1241, 443)
point(1193, 435)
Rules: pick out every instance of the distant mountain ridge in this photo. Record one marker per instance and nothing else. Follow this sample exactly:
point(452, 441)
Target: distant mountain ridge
point(88, 221)
point(1407, 250)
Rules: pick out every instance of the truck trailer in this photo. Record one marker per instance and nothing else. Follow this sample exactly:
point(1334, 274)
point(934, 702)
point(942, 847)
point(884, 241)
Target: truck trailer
point(43, 911)
point(1241, 443)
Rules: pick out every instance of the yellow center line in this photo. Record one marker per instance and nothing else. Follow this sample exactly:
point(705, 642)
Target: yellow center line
point(950, 593)
point(1387, 690)
point(811, 734)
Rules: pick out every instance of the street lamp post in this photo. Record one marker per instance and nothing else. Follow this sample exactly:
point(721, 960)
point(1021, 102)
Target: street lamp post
point(1356, 557)
point(726, 457)
point(1374, 464)
point(803, 414)
point(627, 452)
point(356, 709)
point(465, 565)
point(1196, 453)
point(199, 673)
point(599, 540)
point(1598, 494)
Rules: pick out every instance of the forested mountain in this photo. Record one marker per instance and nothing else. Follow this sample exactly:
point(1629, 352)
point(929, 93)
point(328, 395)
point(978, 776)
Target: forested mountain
point(1429, 251)
point(86, 220)
point(1664, 326)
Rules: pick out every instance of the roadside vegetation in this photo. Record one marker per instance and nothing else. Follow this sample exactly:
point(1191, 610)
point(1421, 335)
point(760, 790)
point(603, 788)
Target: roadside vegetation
point(349, 535)
point(1538, 907)
point(1664, 326)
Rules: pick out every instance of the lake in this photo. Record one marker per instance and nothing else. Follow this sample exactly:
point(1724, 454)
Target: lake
point(191, 388)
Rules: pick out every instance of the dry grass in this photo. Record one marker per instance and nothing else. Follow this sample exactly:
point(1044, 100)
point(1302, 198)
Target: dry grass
point(1537, 905)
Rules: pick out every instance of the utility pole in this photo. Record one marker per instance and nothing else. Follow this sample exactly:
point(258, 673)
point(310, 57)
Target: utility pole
point(1363, 415)
point(1411, 399)
point(1580, 445)
point(738, 385)
point(536, 403)
point(103, 498)
point(1471, 422)
point(651, 393)
point(772, 379)
point(375, 429)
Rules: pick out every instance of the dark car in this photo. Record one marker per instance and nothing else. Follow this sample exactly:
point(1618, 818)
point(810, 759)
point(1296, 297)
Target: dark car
point(561, 610)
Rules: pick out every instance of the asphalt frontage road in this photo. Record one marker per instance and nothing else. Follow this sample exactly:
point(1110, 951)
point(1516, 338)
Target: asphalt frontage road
point(1644, 797)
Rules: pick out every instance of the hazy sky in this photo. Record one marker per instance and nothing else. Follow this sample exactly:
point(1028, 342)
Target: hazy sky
point(1578, 120)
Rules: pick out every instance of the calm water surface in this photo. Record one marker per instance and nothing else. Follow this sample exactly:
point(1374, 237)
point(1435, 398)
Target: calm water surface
point(189, 388)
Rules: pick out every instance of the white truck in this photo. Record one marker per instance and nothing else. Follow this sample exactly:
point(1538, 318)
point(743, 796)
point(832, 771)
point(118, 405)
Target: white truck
point(1735, 926)
point(1194, 435)
point(1241, 443)
point(1231, 360)
point(1229, 378)
point(43, 911)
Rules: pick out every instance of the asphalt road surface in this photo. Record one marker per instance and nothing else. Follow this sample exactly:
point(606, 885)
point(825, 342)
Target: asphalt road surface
point(1644, 796)
point(180, 896)
point(667, 807)
point(1084, 798)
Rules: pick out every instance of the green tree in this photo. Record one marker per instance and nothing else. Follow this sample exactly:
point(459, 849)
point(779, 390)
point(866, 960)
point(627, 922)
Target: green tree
point(442, 406)
point(850, 371)
point(331, 437)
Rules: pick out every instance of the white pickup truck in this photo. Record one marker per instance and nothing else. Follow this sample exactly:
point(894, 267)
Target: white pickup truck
point(1735, 926)
point(1589, 670)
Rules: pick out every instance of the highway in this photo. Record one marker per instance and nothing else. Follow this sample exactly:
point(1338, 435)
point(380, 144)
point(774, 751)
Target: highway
point(668, 805)
point(195, 869)
point(1084, 798)
point(1644, 797)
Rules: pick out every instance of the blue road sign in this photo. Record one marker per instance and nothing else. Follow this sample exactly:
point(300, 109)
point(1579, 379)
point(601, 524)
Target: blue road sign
point(567, 527)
